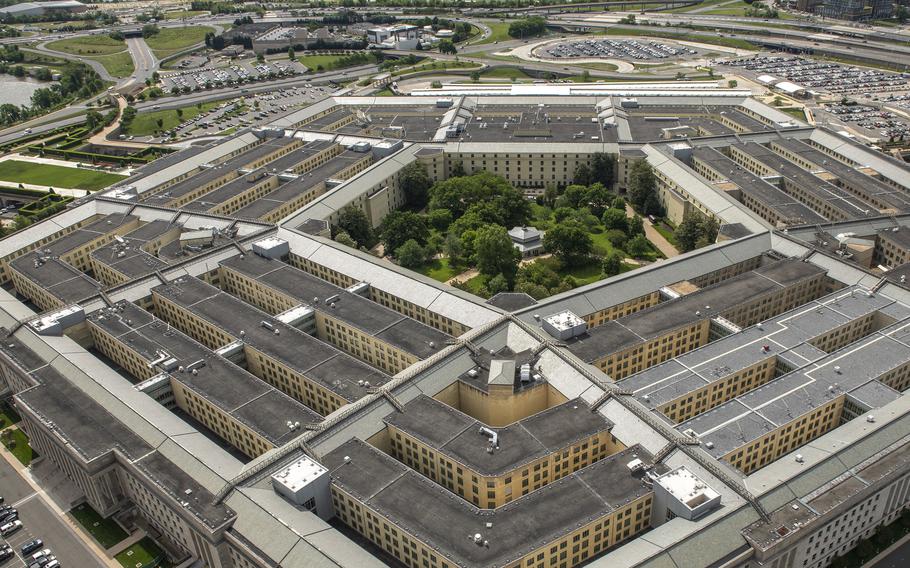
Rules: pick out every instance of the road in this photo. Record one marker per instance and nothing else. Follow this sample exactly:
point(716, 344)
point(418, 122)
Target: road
point(144, 62)
point(41, 521)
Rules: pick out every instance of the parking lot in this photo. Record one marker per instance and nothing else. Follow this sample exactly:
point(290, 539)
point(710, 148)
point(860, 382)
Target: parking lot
point(873, 121)
point(617, 49)
point(40, 521)
point(823, 76)
point(248, 111)
point(234, 74)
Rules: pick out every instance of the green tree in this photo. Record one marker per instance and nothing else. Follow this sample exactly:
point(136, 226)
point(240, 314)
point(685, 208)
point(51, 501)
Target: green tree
point(93, 119)
point(636, 226)
point(603, 169)
point(497, 284)
point(574, 196)
point(475, 76)
point(569, 242)
point(638, 246)
point(615, 219)
point(453, 248)
point(415, 184)
point(612, 264)
point(398, 227)
point(688, 232)
point(353, 221)
point(732, 83)
point(148, 30)
point(410, 254)
point(291, 55)
point(446, 46)
point(440, 219)
point(643, 188)
point(494, 252)
point(582, 174)
point(344, 238)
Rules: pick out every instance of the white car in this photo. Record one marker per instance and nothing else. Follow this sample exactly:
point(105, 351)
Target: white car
point(41, 554)
point(10, 528)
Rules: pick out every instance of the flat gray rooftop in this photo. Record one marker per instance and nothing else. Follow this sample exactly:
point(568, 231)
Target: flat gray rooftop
point(58, 278)
point(794, 211)
point(338, 372)
point(374, 319)
point(212, 173)
point(707, 302)
point(851, 207)
point(240, 394)
point(455, 434)
point(293, 188)
point(445, 521)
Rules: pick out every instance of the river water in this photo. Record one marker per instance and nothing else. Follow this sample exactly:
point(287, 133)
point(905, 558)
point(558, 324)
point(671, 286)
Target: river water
point(18, 90)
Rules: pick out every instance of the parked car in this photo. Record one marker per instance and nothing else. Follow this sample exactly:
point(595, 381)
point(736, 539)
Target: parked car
point(6, 553)
point(31, 546)
point(41, 554)
point(10, 528)
point(9, 516)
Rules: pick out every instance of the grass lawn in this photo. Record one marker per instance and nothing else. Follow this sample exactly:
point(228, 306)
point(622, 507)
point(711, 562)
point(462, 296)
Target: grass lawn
point(666, 232)
point(796, 113)
point(143, 554)
point(599, 66)
point(438, 269)
point(145, 124)
point(8, 415)
point(118, 65)
point(111, 53)
point(171, 40)
point(105, 531)
point(89, 45)
point(433, 65)
point(602, 245)
point(475, 284)
point(698, 6)
point(22, 450)
point(56, 176)
point(499, 31)
point(328, 62)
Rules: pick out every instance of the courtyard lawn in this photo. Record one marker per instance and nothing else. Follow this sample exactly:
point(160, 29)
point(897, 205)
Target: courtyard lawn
point(438, 269)
point(585, 274)
point(796, 113)
point(89, 45)
point(143, 554)
point(105, 531)
point(17, 444)
point(169, 41)
point(56, 176)
point(146, 123)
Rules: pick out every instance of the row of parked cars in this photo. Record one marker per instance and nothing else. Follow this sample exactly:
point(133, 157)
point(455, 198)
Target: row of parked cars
point(33, 552)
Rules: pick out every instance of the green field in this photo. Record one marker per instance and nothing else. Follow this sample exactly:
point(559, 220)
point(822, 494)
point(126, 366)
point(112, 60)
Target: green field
point(143, 554)
point(111, 53)
point(56, 176)
point(499, 31)
point(328, 62)
point(89, 45)
point(146, 123)
point(105, 531)
point(438, 269)
point(118, 65)
point(169, 41)
point(796, 113)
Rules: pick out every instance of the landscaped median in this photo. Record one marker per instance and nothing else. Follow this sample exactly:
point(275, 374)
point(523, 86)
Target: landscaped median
point(110, 52)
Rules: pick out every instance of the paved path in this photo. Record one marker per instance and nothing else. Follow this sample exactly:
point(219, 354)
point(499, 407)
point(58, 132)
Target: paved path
point(658, 240)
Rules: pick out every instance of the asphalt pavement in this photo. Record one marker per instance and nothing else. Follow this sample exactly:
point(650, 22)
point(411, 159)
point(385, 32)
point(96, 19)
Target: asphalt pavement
point(40, 521)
